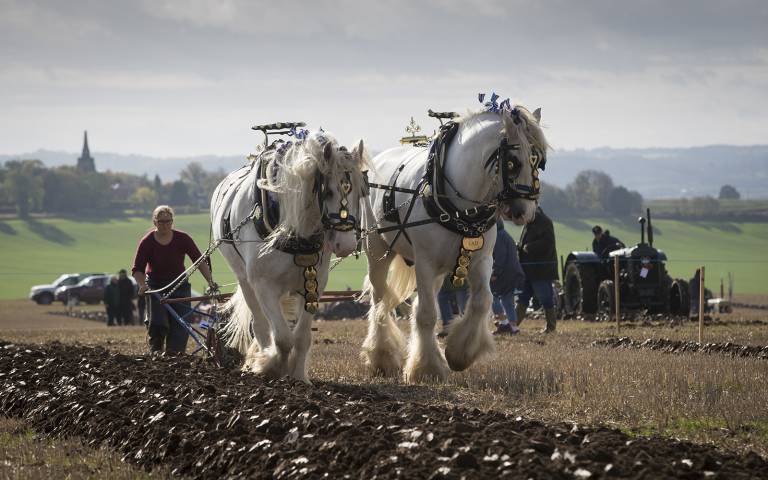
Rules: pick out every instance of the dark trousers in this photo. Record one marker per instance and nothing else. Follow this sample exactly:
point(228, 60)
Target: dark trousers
point(126, 313)
point(164, 330)
point(112, 316)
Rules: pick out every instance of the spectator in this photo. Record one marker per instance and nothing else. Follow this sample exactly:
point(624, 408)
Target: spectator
point(538, 255)
point(127, 293)
point(448, 297)
point(159, 261)
point(112, 301)
point(603, 243)
point(507, 276)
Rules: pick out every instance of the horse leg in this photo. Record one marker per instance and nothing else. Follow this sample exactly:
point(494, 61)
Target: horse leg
point(302, 341)
point(259, 324)
point(469, 339)
point(384, 346)
point(272, 360)
point(425, 361)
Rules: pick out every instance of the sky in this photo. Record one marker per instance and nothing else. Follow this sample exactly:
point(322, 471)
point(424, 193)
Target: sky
point(180, 78)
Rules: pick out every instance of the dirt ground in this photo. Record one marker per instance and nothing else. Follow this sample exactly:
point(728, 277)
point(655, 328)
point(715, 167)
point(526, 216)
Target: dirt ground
point(715, 401)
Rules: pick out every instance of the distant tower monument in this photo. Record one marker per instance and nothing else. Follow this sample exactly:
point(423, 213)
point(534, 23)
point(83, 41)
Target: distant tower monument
point(85, 163)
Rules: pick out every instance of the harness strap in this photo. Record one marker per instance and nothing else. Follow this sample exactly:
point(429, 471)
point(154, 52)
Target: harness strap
point(383, 186)
point(388, 201)
point(401, 226)
point(407, 225)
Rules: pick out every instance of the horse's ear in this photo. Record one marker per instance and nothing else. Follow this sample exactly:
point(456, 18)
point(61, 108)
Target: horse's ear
point(328, 151)
point(359, 149)
point(537, 115)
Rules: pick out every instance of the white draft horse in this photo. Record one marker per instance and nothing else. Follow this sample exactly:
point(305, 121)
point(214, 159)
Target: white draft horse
point(317, 186)
point(489, 166)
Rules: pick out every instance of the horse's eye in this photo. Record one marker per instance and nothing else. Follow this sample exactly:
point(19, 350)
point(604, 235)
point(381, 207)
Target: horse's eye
point(328, 194)
point(513, 164)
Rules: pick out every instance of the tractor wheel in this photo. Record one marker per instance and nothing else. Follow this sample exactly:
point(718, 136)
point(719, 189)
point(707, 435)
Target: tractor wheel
point(606, 300)
point(679, 298)
point(580, 289)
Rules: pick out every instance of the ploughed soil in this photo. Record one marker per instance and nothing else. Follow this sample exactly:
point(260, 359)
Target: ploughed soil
point(204, 422)
point(681, 346)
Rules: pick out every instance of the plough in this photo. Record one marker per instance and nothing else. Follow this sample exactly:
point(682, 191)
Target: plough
point(203, 333)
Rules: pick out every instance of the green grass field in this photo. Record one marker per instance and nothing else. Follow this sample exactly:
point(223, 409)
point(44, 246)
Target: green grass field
point(38, 251)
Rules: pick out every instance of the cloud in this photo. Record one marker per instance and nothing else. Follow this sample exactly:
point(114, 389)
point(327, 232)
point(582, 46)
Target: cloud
point(65, 78)
point(606, 73)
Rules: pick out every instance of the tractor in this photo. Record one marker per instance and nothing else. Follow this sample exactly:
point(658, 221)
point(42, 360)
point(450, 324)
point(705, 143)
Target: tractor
point(644, 284)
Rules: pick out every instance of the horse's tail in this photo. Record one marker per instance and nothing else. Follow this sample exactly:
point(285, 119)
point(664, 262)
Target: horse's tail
point(401, 282)
point(237, 331)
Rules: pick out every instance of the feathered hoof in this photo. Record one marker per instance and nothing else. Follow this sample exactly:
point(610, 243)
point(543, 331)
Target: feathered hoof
point(426, 372)
point(267, 364)
point(461, 355)
point(382, 363)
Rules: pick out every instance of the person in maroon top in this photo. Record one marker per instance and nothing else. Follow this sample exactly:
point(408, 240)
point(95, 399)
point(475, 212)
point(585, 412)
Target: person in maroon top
point(159, 261)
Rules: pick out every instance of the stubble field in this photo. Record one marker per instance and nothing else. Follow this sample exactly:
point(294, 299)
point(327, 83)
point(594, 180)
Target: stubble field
point(704, 398)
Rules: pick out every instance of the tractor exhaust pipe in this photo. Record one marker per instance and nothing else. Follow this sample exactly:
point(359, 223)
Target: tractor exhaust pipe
point(650, 229)
point(641, 220)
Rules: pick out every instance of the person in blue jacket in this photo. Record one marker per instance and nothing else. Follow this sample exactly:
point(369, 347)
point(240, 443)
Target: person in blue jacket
point(506, 278)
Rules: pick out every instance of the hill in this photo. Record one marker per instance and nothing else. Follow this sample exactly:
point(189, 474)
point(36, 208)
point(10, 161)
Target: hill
point(654, 172)
point(670, 172)
point(37, 251)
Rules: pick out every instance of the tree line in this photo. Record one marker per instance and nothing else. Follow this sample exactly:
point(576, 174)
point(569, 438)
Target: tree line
point(28, 186)
point(591, 193)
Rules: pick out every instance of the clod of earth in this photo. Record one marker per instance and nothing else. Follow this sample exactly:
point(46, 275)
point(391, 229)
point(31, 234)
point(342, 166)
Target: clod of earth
point(210, 423)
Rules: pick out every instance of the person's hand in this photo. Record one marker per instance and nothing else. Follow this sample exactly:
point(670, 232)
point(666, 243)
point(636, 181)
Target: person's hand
point(525, 248)
point(213, 287)
point(143, 289)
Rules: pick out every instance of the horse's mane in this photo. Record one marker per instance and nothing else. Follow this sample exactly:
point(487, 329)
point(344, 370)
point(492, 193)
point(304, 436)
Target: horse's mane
point(533, 132)
point(291, 174)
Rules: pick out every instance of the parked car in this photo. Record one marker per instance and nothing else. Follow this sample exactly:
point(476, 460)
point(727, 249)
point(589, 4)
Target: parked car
point(45, 294)
point(89, 290)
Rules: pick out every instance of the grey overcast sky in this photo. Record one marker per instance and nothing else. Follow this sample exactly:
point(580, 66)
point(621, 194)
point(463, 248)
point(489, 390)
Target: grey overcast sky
point(176, 78)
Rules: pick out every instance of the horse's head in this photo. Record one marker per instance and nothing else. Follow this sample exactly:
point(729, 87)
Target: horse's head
point(340, 186)
point(523, 151)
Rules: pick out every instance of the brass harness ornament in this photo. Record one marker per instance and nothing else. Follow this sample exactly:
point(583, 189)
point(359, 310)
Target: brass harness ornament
point(469, 245)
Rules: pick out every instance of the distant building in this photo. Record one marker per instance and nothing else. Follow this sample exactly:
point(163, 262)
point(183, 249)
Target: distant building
point(85, 163)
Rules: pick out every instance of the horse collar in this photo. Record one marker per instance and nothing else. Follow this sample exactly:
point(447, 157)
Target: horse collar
point(471, 222)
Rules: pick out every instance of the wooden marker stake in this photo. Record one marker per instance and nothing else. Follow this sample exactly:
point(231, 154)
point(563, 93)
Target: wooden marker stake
point(701, 304)
point(616, 292)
